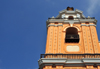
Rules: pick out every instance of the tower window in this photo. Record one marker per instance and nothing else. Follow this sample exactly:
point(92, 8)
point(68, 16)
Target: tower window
point(70, 18)
point(72, 35)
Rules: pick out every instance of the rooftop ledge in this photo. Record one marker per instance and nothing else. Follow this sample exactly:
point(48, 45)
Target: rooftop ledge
point(68, 62)
point(69, 59)
point(53, 20)
point(75, 18)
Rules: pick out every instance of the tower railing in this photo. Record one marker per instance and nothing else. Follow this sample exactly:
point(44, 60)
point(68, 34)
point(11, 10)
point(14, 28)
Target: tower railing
point(70, 56)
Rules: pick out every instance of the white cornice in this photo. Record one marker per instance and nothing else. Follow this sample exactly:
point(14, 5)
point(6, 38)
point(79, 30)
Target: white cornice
point(88, 25)
point(71, 21)
point(68, 62)
point(55, 25)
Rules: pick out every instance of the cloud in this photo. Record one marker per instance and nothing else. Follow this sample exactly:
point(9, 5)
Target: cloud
point(93, 6)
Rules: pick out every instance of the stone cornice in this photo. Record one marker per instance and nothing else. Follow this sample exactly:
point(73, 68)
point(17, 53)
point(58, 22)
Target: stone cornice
point(55, 25)
point(71, 21)
point(88, 25)
point(68, 62)
point(88, 20)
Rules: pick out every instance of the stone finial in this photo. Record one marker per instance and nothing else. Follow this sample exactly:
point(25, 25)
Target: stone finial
point(53, 17)
point(88, 17)
point(70, 8)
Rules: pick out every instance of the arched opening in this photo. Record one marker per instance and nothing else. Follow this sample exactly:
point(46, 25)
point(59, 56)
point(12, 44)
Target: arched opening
point(72, 35)
point(70, 18)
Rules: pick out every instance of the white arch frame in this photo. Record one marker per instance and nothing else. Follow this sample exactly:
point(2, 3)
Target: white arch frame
point(71, 26)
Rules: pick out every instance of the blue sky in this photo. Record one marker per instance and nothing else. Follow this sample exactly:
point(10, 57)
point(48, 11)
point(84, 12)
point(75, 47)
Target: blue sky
point(23, 28)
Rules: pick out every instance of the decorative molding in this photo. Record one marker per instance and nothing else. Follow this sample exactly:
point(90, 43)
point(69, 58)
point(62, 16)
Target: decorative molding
point(77, 20)
point(71, 12)
point(78, 11)
point(89, 64)
point(92, 25)
point(71, 26)
point(88, 25)
point(55, 25)
point(51, 25)
point(68, 62)
point(83, 25)
point(91, 60)
point(63, 11)
point(60, 25)
point(71, 21)
point(88, 20)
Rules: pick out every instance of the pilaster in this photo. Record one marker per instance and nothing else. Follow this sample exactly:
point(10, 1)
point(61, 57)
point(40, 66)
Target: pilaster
point(94, 39)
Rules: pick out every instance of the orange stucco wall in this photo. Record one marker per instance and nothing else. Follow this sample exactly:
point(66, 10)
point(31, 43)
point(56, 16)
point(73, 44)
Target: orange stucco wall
point(56, 39)
point(62, 67)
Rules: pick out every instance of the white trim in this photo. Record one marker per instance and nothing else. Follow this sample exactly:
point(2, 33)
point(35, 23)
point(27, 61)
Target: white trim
point(88, 25)
point(71, 26)
point(55, 25)
point(68, 62)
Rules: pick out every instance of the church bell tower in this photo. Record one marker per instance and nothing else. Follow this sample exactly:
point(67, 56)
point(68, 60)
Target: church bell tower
point(72, 42)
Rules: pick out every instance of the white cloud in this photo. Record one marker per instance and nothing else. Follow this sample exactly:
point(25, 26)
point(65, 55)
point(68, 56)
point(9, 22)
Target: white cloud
point(93, 6)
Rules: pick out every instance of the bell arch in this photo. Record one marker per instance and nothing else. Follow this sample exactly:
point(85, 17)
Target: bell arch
point(71, 35)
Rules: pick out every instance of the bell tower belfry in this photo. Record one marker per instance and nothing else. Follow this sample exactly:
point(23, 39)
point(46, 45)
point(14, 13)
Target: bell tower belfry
point(72, 42)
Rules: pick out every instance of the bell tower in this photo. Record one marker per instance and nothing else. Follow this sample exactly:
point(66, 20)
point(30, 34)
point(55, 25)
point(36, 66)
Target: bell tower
point(72, 42)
